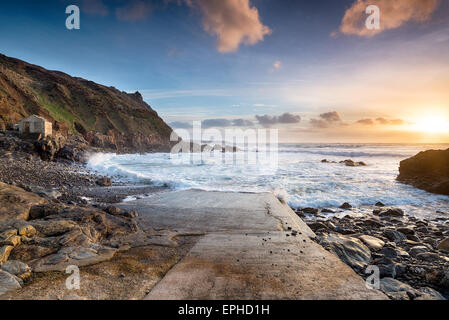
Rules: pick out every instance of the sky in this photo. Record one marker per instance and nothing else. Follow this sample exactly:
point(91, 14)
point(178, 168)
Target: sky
point(311, 69)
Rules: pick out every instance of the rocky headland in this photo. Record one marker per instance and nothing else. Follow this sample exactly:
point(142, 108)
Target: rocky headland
point(428, 170)
point(103, 116)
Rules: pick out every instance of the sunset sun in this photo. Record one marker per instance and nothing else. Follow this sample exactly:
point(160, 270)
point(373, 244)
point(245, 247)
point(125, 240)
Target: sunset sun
point(433, 124)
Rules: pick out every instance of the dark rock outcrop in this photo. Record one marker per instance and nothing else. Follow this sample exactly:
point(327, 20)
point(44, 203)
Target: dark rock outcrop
point(428, 170)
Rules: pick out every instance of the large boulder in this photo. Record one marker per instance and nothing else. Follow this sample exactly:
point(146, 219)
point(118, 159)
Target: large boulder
point(8, 282)
point(428, 170)
point(397, 290)
point(17, 268)
point(48, 147)
point(350, 250)
point(372, 242)
point(16, 202)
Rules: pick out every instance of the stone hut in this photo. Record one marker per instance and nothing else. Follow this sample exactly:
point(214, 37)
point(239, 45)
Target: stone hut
point(35, 124)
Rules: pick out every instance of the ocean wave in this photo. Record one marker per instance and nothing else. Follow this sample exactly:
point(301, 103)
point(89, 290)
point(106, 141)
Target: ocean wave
point(352, 154)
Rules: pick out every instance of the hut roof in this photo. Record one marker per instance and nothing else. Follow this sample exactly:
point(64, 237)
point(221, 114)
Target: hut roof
point(34, 117)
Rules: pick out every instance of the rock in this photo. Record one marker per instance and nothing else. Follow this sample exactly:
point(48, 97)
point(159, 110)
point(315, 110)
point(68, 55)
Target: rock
point(31, 252)
point(10, 241)
point(390, 253)
point(350, 250)
point(27, 231)
point(372, 223)
point(402, 253)
point(343, 230)
point(331, 226)
point(327, 211)
point(393, 235)
point(428, 293)
point(316, 226)
point(130, 214)
point(428, 256)
point(46, 210)
point(57, 258)
point(427, 170)
point(50, 194)
point(406, 230)
point(387, 270)
point(104, 182)
point(392, 212)
point(7, 231)
point(83, 253)
point(114, 210)
point(414, 251)
point(51, 228)
point(8, 282)
point(444, 245)
point(411, 243)
point(121, 212)
point(16, 202)
point(72, 153)
point(350, 163)
point(73, 256)
point(372, 242)
point(390, 285)
point(309, 210)
point(379, 204)
point(49, 146)
point(17, 268)
point(345, 206)
point(5, 251)
point(413, 238)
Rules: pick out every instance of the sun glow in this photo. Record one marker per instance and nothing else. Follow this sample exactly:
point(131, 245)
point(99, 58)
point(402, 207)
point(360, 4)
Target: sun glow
point(433, 124)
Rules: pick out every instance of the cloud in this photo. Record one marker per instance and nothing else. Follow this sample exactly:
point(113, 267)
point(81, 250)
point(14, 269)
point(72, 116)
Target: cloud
point(242, 123)
point(367, 122)
point(286, 118)
point(394, 122)
point(135, 10)
point(94, 7)
point(381, 121)
point(210, 123)
point(331, 116)
point(276, 66)
point(393, 14)
point(233, 21)
point(326, 120)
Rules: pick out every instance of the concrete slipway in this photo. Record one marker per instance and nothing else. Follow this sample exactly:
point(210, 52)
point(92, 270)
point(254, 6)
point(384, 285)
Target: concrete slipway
point(246, 250)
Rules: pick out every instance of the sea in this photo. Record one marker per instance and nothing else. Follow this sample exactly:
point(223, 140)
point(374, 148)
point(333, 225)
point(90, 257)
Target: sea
point(294, 172)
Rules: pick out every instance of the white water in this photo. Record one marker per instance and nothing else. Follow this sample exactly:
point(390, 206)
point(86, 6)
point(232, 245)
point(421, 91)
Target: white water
point(299, 173)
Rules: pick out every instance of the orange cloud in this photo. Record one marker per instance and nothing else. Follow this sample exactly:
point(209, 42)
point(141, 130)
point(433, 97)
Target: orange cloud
point(393, 14)
point(233, 21)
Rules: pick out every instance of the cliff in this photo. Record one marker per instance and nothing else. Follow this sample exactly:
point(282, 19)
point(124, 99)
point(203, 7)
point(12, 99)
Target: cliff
point(106, 117)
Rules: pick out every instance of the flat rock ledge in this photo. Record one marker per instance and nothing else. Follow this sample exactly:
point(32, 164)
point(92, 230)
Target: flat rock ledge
point(252, 246)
